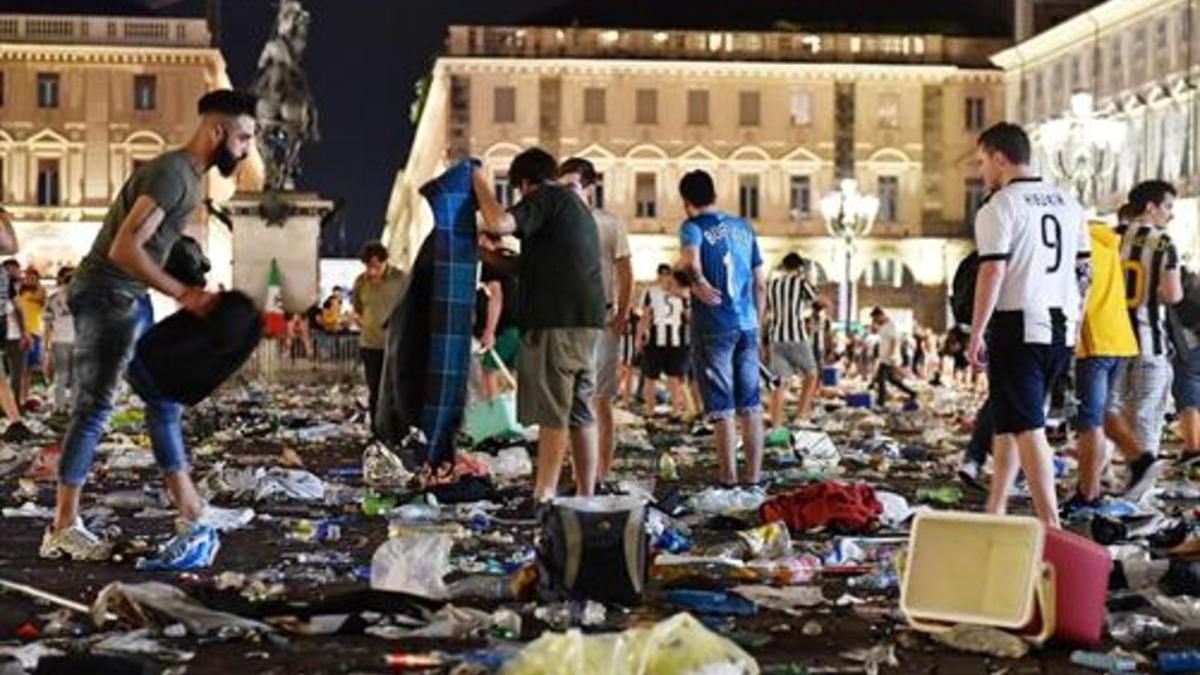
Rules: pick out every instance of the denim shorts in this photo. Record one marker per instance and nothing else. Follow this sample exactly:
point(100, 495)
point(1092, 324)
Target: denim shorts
point(726, 368)
point(1095, 378)
point(1186, 385)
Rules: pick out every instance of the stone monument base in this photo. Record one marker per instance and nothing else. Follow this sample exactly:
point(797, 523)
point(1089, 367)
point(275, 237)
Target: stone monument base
point(284, 227)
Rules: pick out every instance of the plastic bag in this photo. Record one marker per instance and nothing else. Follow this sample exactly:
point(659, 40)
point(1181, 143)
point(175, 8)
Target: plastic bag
point(413, 565)
point(150, 602)
point(726, 501)
point(382, 468)
point(291, 484)
point(676, 646)
point(817, 449)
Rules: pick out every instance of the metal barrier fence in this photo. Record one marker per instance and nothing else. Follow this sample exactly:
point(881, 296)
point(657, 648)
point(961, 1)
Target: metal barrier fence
point(331, 357)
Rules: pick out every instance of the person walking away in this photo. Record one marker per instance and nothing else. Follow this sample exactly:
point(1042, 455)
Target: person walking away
point(60, 335)
point(32, 298)
point(662, 343)
point(790, 347)
point(374, 294)
point(110, 303)
point(18, 340)
point(8, 404)
point(888, 370)
point(1033, 250)
point(720, 255)
point(561, 314)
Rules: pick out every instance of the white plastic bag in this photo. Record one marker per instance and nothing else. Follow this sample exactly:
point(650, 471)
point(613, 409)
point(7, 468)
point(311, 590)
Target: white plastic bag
point(413, 565)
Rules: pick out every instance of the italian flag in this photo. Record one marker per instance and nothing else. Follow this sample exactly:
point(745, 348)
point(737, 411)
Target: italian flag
point(276, 325)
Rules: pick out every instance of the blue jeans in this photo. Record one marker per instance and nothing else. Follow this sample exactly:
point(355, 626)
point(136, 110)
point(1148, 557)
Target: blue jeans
point(1094, 380)
point(726, 366)
point(108, 325)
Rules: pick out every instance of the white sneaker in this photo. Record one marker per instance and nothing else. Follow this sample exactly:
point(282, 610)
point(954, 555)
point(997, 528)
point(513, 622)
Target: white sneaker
point(224, 520)
point(75, 542)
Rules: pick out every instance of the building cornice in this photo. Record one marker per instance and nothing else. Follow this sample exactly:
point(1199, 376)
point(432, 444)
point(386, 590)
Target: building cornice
point(739, 69)
point(110, 54)
point(1081, 28)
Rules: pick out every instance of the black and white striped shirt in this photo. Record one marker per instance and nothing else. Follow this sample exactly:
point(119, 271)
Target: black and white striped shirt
point(668, 318)
point(1146, 252)
point(788, 298)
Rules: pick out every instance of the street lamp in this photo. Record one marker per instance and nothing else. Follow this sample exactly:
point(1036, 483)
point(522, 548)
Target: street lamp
point(848, 216)
point(1082, 148)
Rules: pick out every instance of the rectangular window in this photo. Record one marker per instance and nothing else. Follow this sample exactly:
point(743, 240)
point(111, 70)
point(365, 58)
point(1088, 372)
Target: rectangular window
point(1162, 45)
point(594, 106)
point(47, 90)
point(647, 195)
point(504, 105)
point(1137, 59)
point(1039, 92)
point(889, 111)
point(889, 198)
point(503, 189)
point(1077, 72)
point(749, 109)
point(647, 106)
point(697, 107)
point(976, 113)
point(748, 196)
point(598, 191)
point(974, 193)
point(144, 87)
point(801, 108)
point(1056, 88)
point(1116, 65)
point(47, 182)
point(801, 201)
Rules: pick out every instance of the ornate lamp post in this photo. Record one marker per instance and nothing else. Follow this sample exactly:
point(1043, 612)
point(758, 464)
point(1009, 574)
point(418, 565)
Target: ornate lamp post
point(1080, 148)
point(849, 215)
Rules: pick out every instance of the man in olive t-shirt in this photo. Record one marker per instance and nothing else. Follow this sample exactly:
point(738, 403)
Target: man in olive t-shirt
point(111, 307)
point(561, 314)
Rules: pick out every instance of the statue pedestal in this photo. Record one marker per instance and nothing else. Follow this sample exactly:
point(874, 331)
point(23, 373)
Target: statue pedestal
point(285, 227)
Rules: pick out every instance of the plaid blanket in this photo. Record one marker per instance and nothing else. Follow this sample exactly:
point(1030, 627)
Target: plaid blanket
point(451, 308)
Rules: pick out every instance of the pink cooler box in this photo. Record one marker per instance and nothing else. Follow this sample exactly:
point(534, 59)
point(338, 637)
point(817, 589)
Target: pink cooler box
point(1081, 570)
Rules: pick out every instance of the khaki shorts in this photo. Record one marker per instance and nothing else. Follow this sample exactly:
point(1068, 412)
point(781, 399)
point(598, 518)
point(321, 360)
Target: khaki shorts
point(556, 377)
point(608, 356)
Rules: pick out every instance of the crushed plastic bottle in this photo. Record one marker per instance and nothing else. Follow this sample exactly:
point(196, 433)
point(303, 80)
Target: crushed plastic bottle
point(382, 468)
point(882, 580)
point(667, 470)
point(416, 513)
point(1132, 628)
point(562, 615)
point(1109, 663)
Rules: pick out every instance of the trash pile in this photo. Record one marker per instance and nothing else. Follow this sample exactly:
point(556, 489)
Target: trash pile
point(861, 553)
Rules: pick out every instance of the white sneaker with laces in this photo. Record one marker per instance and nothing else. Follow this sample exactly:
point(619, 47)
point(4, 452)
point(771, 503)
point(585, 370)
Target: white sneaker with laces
point(225, 520)
point(75, 542)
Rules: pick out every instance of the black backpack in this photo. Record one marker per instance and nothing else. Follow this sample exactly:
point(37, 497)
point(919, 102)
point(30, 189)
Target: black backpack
point(1188, 309)
point(962, 289)
point(187, 357)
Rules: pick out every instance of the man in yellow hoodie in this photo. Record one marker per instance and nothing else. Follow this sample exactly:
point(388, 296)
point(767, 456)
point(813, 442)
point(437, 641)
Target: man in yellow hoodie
point(1105, 340)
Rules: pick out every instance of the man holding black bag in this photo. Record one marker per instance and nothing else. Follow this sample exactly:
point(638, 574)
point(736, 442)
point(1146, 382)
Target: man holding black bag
point(111, 306)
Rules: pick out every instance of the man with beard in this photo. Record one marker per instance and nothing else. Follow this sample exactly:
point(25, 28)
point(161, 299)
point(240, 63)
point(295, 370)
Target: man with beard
point(110, 302)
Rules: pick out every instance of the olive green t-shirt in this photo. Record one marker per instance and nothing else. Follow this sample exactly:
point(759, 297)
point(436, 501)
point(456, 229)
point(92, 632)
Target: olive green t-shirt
point(561, 283)
point(174, 183)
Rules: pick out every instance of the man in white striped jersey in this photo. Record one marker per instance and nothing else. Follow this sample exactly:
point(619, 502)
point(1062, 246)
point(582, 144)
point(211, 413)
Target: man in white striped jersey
point(788, 299)
point(663, 341)
point(1152, 282)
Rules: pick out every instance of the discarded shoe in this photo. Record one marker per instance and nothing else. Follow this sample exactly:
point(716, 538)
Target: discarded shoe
point(194, 546)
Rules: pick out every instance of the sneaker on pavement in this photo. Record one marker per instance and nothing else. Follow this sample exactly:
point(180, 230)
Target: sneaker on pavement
point(224, 520)
point(1143, 473)
point(194, 546)
point(968, 473)
point(1077, 505)
point(75, 542)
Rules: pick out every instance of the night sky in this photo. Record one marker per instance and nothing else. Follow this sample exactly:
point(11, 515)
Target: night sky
point(365, 56)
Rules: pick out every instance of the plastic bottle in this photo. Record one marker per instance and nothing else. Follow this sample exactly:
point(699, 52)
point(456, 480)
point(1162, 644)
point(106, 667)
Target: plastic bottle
point(667, 470)
point(416, 513)
point(1108, 663)
point(376, 505)
point(882, 580)
point(482, 587)
point(1179, 662)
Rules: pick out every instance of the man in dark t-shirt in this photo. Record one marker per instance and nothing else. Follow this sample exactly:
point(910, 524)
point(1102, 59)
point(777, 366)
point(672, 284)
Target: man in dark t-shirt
point(561, 313)
point(111, 307)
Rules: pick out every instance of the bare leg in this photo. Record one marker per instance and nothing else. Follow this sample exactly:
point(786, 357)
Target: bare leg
point(8, 403)
point(649, 397)
point(552, 447)
point(679, 403)
point(726, 459)
point(1117, 428)
point(66, 506)
point(184, 495)
point(752, 445)
point(606, 445)
point(1093, 455)
point(776, 404)
point(487, 384)
point(583, 457)
point(1004, 472)
point(1037, 461)
point(808, 391)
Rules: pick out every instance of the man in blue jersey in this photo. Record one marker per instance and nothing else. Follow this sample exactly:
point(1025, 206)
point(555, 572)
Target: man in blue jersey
point(719, 254)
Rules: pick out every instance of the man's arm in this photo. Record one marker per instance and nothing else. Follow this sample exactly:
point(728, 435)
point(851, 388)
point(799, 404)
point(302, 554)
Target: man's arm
point(129, 254)
point(623, 271)
point(644, 324)
point(760, 294)
point(494, 307)
point(496, 221)
point(1170, 286)
point(689, 265)
point(8, 236)
point(987, 293)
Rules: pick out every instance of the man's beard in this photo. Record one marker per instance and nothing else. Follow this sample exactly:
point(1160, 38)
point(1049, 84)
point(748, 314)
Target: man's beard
point(226, 162)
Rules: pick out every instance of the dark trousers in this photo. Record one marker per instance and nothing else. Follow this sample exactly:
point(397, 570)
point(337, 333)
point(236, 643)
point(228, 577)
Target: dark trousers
point(372, 360)
point(888, 374)
point(981, 438)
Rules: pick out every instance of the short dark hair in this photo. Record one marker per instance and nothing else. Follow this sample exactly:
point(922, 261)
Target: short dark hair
point(1126, 213)
point(373, 250)
point(1007, 139)
point(792, 262)
point(581, 166)
point(227, 102)
point(696, 188)
point(664, 269)
point(534, 165)
point(878, 311)
point(11, 261)
point(65, 273)
point(1149, 192)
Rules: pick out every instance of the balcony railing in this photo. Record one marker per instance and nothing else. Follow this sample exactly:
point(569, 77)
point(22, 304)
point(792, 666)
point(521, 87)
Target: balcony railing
point(99, 30)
